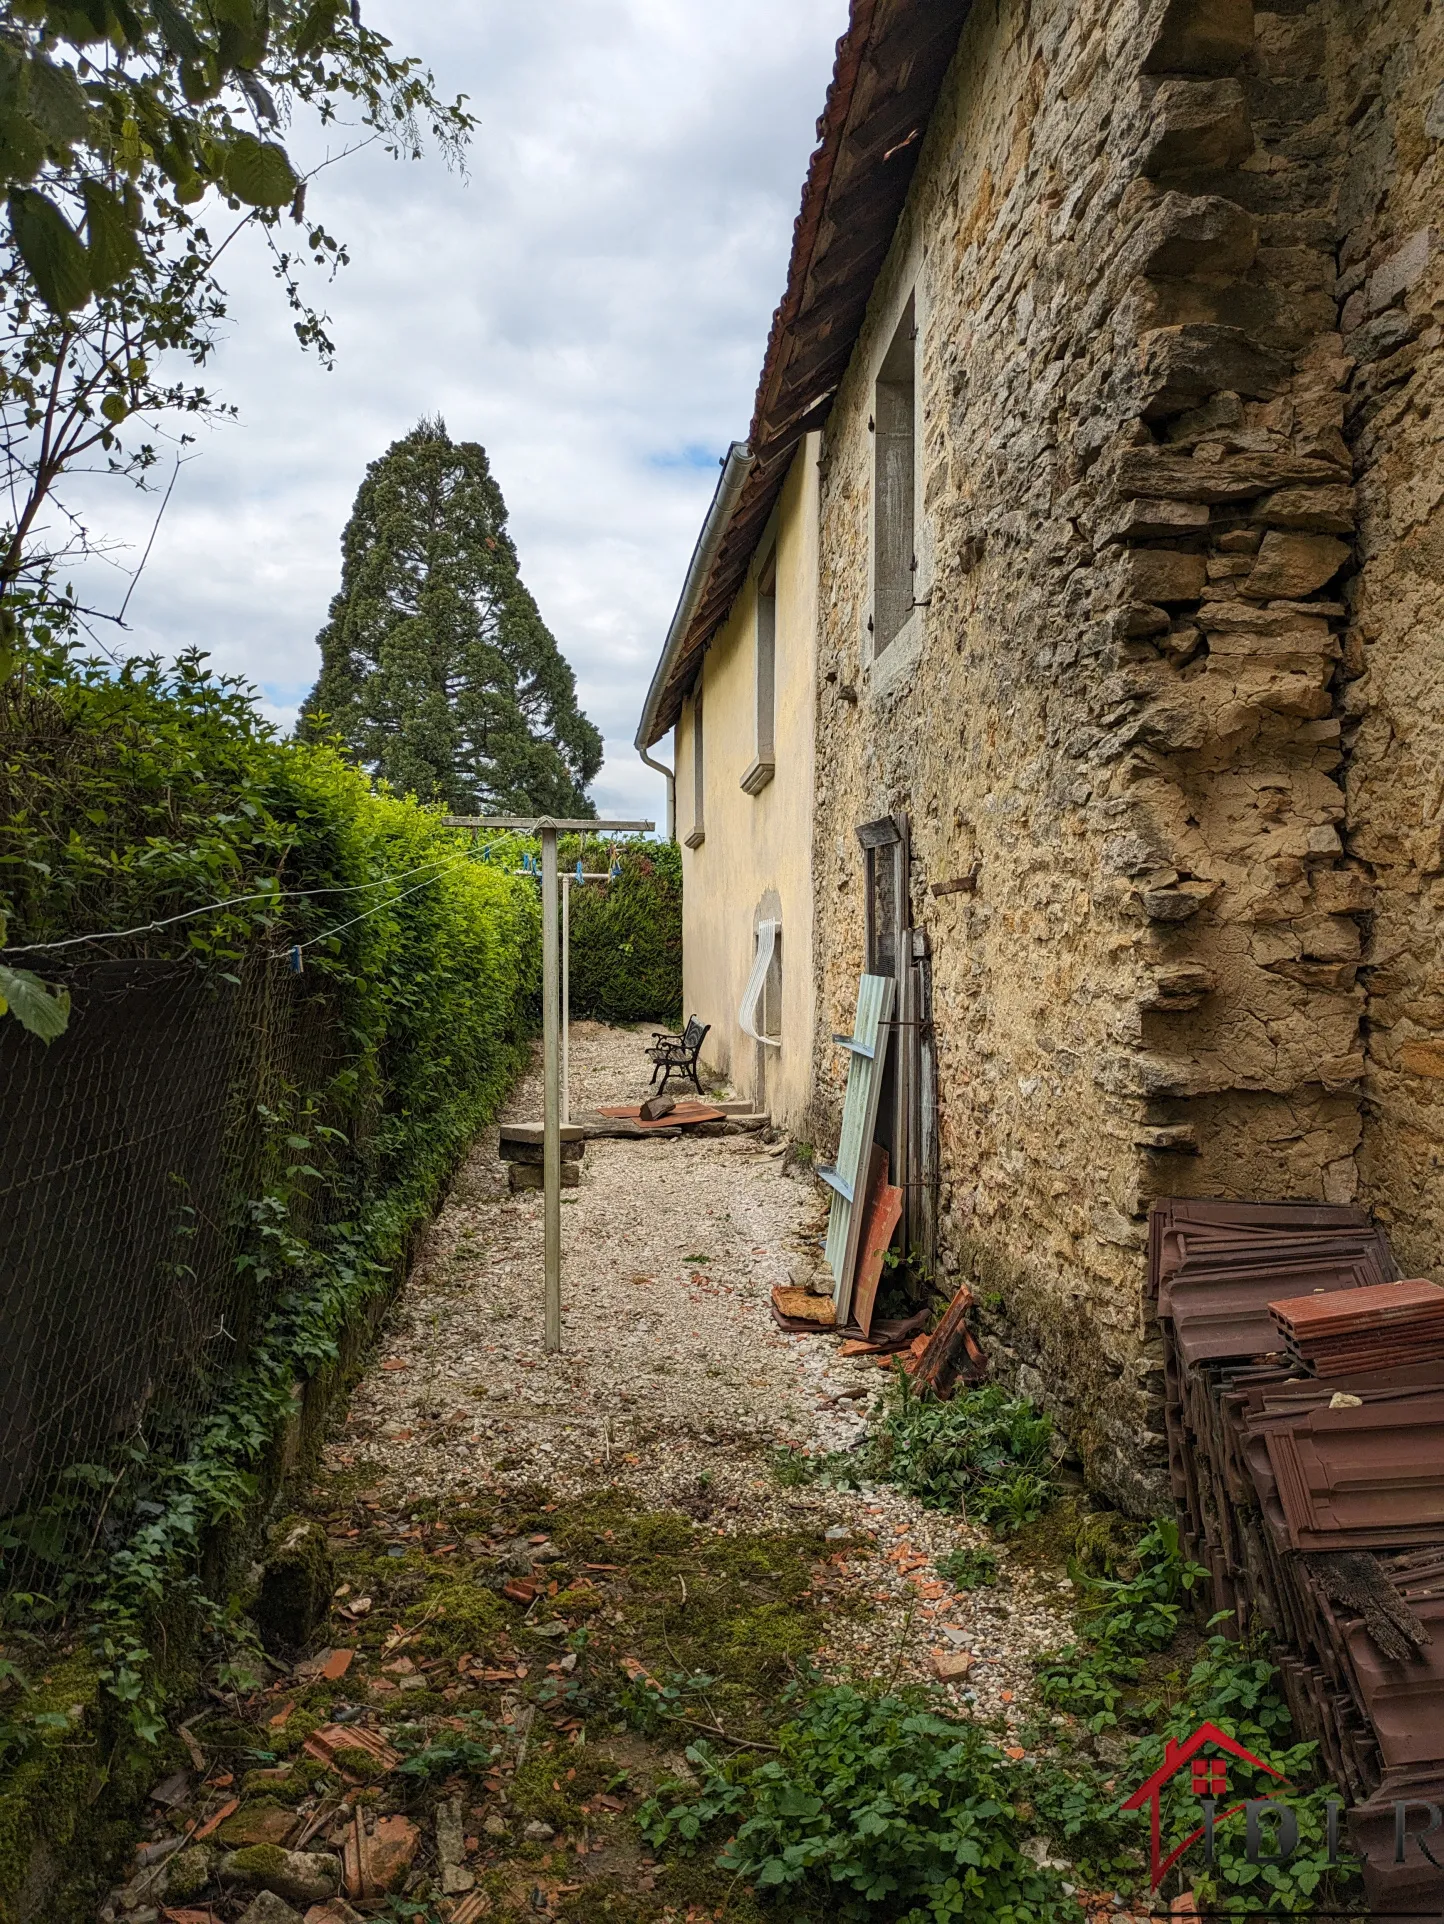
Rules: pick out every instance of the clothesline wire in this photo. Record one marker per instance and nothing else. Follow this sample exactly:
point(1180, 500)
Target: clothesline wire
point(238, 901)
point(325, 934)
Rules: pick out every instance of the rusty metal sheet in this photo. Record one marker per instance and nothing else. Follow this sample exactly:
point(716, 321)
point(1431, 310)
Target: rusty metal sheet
point(1365, 1478)
point(1225, 1312)
point(884, 1213)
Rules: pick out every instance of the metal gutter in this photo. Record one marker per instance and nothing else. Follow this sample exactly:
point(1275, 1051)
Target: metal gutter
point(736, 467)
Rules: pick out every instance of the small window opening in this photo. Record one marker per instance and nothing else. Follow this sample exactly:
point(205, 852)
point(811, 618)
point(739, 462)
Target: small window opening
point(699, 814)
point(764, 761)
point(894, 463)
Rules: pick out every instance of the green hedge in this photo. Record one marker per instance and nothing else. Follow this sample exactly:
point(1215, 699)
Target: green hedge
point(627, 935)
point(137, 796)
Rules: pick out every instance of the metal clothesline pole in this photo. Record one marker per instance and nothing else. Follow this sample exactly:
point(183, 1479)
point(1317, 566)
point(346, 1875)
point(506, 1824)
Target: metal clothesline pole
point(566, 999)
point(548, 828)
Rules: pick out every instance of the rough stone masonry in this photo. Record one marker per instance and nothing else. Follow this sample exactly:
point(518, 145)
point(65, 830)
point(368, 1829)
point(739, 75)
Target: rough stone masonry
point(1177, 694)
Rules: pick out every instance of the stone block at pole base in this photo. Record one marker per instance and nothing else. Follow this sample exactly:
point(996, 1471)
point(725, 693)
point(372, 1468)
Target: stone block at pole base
point(532, 1175)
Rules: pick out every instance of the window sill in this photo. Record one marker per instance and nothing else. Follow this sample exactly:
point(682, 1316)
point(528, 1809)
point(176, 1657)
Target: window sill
point(895, 663)
point(696, 838)
point(758, 776)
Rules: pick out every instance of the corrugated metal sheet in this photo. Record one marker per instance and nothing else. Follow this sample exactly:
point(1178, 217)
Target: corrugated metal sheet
point(867, 1051)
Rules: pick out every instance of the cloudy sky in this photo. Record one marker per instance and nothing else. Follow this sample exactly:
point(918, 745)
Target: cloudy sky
point(590, 301)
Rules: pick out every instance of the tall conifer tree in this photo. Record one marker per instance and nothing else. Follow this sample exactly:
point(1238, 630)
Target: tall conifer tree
point(437, 670)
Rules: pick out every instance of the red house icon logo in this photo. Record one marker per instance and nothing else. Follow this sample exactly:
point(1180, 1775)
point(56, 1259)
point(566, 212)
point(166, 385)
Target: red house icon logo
point(1209, 1776)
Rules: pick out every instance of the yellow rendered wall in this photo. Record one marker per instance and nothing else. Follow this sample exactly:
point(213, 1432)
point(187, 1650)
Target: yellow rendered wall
point(755, 861)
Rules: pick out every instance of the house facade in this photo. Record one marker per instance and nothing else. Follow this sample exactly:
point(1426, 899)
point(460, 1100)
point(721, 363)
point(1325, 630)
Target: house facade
point(1108, 354)
point(744, 760)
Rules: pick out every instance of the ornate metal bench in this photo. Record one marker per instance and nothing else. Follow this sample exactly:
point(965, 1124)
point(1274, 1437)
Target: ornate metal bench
point(676, 1055)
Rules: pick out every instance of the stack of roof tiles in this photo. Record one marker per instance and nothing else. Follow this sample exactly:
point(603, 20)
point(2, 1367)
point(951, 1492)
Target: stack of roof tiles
point(1368, 1329)
point(1306, 1449)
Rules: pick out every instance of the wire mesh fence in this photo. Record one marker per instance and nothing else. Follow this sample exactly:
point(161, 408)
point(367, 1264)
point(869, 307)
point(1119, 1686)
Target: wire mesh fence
point(134, 1152)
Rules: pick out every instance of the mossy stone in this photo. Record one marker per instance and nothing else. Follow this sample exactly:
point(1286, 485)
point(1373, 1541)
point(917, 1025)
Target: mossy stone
point(262, 1822)
point(188, 1874)
point(301, 1877)
point(297, 1582)
point(360, 1763)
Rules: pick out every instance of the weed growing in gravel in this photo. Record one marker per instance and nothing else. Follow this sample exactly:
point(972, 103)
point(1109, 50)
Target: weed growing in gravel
point(983, 1453)
point(1122, 1618)
point(1141, 1611)
point(969, 1568)
point(1125, 1620)
point(873, 1807)
point(834, 1470)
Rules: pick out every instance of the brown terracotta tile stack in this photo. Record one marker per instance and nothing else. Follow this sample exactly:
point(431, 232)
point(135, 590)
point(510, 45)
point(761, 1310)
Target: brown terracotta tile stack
point(1306, 1450)
point(1375, 1328)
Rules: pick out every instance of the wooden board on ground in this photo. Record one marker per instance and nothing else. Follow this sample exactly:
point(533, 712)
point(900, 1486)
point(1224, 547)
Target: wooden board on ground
point(883, 1214)
point(678, 1117)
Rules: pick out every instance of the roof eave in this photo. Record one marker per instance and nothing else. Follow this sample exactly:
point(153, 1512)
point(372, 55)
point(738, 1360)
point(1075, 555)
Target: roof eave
point(889, 71)
point(736, 466)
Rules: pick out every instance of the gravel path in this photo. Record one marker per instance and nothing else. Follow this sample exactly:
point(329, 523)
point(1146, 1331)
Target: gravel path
point(673, 1380)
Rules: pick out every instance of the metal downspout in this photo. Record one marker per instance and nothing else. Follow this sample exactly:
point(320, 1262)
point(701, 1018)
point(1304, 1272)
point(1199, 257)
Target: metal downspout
point(662, 769)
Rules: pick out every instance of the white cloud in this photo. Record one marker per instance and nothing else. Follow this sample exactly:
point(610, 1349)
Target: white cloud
point(591, 302)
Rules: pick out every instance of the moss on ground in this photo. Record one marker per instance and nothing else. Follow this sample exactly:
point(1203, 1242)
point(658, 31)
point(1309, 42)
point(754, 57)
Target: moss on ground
point(65, 1823)
point(658, 1629)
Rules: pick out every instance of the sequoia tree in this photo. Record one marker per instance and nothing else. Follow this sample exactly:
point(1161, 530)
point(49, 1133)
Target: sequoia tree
point(437, 670)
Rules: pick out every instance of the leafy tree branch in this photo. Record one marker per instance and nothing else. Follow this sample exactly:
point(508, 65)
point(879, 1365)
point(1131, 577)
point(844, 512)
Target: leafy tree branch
point(124, 126)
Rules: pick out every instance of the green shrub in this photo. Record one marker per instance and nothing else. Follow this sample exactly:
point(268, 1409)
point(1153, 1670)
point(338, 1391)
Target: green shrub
point(872, 1808)
point(627, 934)
point(984, 1453)
point(136, 796)
point(1141, 1611)
point(1088, 1684)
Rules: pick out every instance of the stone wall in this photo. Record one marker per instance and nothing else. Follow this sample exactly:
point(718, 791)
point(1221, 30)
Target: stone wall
point(1386, 68)
point(1120, 708)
